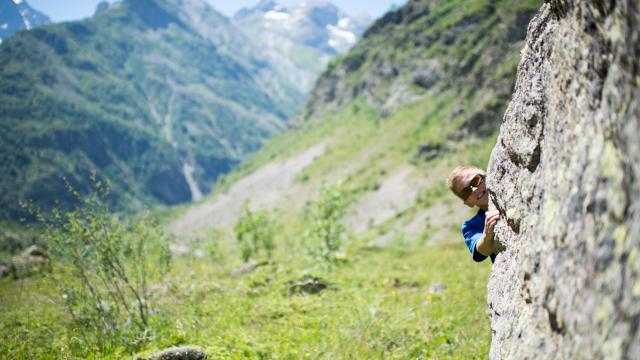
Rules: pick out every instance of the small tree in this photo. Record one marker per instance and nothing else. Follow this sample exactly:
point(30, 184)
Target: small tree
point(254, 232)
point(104, 268)
point(326, 231)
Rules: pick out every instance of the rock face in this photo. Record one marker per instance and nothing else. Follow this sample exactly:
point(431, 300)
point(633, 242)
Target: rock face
point(564, 174)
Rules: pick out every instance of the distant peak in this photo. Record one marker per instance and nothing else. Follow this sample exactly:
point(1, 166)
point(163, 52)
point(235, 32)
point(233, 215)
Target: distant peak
point(266, 5)
point(101, 7)
point(317, 4)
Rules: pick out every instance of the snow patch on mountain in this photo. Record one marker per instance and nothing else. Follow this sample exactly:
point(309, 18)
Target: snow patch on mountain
point(344, 23)
point(277, 15)
point(298, 41)
point(17, 15)
point(340, 39)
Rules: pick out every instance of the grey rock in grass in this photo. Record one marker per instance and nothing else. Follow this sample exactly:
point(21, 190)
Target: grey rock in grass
point(34, 250)
point(5, 270)
point(247, 268)
point(564, 174)
point(31, 261)
point(309, 285)
point(435, 288)
point(180, 353)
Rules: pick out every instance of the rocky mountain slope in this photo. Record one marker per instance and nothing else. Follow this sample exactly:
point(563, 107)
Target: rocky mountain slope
point(564, 173)
point(159, 96)
point(16, 15)
point(427, 48)
point(299, 41)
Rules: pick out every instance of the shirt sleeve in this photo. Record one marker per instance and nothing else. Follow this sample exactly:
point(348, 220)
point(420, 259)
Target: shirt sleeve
point(471, 237)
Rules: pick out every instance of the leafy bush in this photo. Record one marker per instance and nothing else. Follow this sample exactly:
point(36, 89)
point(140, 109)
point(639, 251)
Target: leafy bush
point(254, 232)
point(104, 268)
point(324, 235)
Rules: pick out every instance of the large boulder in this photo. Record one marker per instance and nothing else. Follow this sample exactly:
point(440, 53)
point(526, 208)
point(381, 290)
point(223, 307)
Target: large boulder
point(564, 174)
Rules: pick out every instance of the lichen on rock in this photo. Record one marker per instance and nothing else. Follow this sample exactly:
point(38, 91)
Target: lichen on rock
point(564, 173)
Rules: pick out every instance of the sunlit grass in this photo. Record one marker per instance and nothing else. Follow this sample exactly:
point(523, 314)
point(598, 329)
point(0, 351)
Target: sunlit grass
point(377, 305)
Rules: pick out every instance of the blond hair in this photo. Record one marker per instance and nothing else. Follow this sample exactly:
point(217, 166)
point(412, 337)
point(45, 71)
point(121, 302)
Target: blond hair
point(455, 177)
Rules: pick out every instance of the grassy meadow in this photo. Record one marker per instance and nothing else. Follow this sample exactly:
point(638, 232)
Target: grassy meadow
point(377, 305)
point(416, 296)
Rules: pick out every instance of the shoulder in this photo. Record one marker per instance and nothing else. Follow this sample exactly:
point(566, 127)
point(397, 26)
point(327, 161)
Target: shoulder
point(477, 220)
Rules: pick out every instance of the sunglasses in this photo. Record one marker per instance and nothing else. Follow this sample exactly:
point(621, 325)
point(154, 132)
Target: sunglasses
point(473, 184)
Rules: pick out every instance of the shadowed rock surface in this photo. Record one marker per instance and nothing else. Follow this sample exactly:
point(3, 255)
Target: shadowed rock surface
point(564, 174)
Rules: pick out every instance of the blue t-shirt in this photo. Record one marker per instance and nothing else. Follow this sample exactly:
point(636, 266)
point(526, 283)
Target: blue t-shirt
point(472, 230)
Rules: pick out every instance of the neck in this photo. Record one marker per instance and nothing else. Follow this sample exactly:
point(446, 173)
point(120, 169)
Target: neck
point(485, 208)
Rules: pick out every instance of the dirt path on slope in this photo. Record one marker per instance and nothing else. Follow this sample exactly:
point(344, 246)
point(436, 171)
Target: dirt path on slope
point(397, 192)
point(263, 188)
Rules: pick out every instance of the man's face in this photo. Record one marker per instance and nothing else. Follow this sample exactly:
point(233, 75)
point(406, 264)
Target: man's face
point(479, 196)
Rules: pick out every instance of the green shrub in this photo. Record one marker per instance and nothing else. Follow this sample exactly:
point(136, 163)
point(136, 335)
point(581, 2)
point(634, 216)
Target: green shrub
point(104, 266)
point(325, 233)
point(254, 232)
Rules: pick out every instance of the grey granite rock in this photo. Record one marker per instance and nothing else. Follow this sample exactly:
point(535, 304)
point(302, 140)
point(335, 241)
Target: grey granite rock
point(564, 174)
point(180, 353)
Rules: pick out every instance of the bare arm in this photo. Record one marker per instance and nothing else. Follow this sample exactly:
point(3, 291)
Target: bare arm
point(485, 244)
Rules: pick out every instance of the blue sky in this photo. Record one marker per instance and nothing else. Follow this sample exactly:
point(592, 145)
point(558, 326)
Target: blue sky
point(63, 10)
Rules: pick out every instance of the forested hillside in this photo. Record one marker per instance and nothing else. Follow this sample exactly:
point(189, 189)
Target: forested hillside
point(159, 96)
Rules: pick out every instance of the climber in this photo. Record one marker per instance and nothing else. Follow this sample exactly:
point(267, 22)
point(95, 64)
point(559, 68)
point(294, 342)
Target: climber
point(468, 183)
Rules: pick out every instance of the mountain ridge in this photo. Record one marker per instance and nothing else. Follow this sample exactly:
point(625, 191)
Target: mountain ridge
point(137, 65)
point(451, 53)
point(300, 40)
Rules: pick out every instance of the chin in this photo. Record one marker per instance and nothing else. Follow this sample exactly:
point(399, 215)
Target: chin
point(484, 202)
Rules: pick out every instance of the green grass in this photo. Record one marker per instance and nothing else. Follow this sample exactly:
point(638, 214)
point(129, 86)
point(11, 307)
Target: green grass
point(376, 306)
